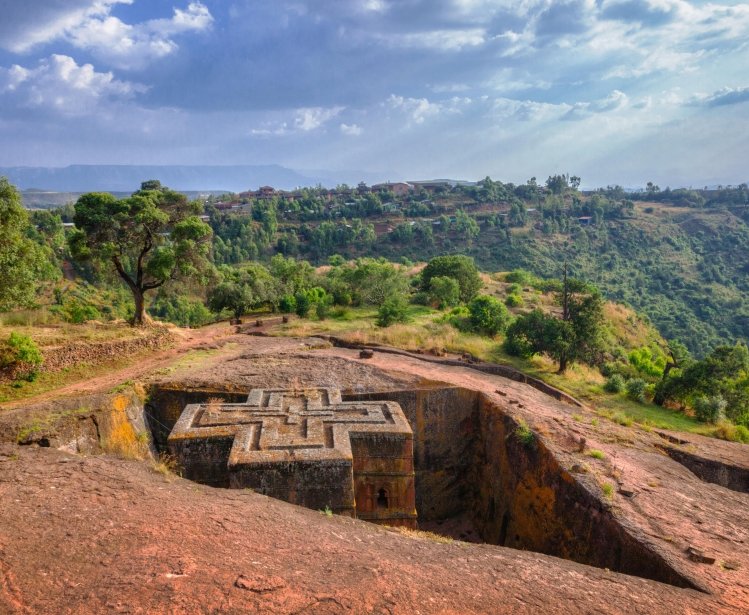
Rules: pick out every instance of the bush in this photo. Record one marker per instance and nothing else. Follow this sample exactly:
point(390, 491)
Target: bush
point(303, 305)
point(420, 298)
point(181, 311)
point(513, 301)
point(287, 305)
point(614, 384)
point(458, 317)
point(322, 309)
point(524, 434)
point(21, 356)
point(519, 276)
point(77, 312)
point(444, 291)
point(636, 389)
point(460, 268)
point(726, 430)
point(394, 309)
point(709, 409)
point(488, 315)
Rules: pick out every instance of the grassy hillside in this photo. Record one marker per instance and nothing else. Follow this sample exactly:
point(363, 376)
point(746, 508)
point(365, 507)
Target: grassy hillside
point(685, 269)
point(428, 330)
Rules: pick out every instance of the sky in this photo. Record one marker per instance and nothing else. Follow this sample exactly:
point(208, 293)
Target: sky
point(615, 91)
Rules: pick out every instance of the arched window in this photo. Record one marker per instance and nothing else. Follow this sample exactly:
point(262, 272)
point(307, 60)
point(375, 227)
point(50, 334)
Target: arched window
point(382, 499)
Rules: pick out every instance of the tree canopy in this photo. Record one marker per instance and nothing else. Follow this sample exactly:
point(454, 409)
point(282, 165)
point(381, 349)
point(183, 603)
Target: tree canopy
point(460, 268)
point(150, 238)
point(575, 335)
point(23, 262)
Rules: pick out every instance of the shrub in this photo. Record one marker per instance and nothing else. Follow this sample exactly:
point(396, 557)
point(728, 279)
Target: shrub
point(636, 389)
point(421, 298)
point(394, 309)
point(614, 384)
point(519, 276)
point(444, 291)
point(21, 356)
point(76, 312)
point(322, 309)
point(709, 409)
point(460, 268)
point(458, 317)
point(287, 305)
point(513, 301)
point(524, 434)
point(488, 315)
point(181, 311)
point(303, 305)
point(622, 419)
point(726, 430)
point(596, 454)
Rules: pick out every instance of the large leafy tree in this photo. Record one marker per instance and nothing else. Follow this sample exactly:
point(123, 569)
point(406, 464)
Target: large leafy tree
point(244, 288)
point(374, 281)
point(460, 268)
point(723, 373)
point(575, 335)
point(22, 261)
point(150, 238)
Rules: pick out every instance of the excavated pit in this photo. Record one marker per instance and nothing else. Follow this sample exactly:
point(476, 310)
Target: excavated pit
point(476, 481)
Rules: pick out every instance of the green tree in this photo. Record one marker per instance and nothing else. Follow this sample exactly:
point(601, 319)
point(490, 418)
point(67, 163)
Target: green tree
point(488, 315)
point(22, 261)
point(724, 372)
point(582, 310)
point(460, 268)
point(150, 238)
point(21, 356)
point(249, 286)
point(231, 295)
point(293, 275)
point(444, 291)
point(373, 281)
point(537, 333)
point(576, 336)
point(394, 309)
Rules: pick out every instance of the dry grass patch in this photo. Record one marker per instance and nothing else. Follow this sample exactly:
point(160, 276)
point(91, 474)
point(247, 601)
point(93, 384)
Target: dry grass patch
point(422, 535)
point(166, 465)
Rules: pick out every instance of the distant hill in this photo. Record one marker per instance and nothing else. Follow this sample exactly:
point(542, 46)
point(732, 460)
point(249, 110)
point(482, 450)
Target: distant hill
point(127, 178)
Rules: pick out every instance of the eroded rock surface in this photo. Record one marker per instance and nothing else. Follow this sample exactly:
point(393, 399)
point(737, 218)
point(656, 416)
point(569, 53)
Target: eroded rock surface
point(103, 535)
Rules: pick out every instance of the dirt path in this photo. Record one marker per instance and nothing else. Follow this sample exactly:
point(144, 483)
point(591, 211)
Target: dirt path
point(138, 366)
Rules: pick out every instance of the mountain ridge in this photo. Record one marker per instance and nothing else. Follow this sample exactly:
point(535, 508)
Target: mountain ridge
point(127, 178)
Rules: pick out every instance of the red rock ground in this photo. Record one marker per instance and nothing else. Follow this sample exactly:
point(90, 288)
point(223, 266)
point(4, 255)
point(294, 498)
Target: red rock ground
point(101, 534)
point(104, 535)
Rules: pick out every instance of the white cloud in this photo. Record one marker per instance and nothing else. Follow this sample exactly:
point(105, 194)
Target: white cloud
point(352, 130)
point(32, 22)
point(440, 40)
point(314, 117)
point(417, 109)
point(122, 45)
point(720, 98)
point(61, 85)
point(612, 102)
point(134, 46)
point(304, 120)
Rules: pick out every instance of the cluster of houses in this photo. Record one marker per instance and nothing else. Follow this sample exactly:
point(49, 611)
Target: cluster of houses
point(398, 189)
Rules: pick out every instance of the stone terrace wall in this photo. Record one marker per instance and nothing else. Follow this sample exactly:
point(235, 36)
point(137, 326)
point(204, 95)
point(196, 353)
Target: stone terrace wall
point(59, 357)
